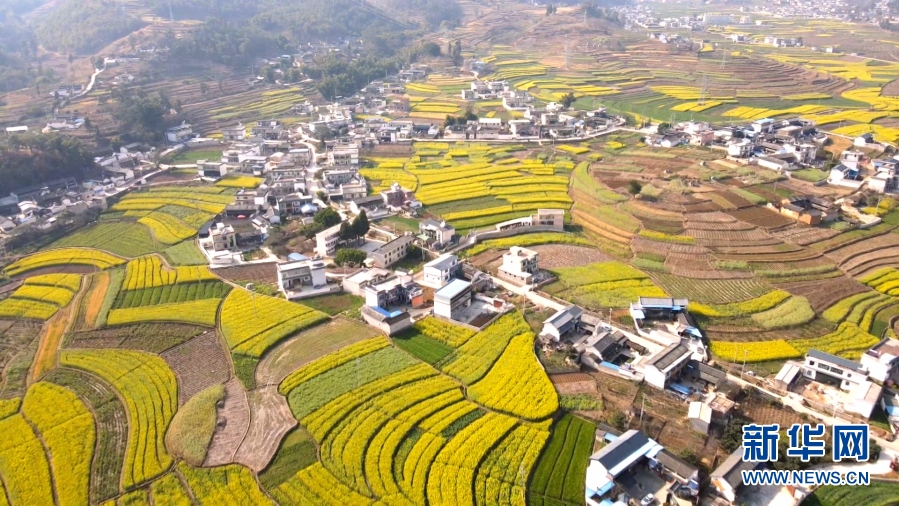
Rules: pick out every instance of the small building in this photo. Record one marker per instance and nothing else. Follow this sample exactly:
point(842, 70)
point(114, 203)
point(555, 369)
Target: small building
point(551, 219)
point(838, 371)
point(450, 300)
point(326, 241)
point(519, 265)
point(344, 155)
point(397, 196)
point(224, 238)
point(397, 291)
point(728, 477)
point(234, 133)
point(241, 211)
point(616, 458)
point(392, 252)
point(440, 271)
point(667, 365)
point(388, 322)
point(739, 148)
point(563, 322)
point(179, 134)
point(356, 283)
point(882, 360)
point(700, 416)
point(293, 275)
point(435, 233)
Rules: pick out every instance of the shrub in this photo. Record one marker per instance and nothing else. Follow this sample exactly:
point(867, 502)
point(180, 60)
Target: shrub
point(192, 427)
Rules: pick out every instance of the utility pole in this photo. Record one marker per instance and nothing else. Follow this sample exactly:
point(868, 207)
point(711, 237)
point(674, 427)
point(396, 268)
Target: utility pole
point(745, 352)
point(642, 406)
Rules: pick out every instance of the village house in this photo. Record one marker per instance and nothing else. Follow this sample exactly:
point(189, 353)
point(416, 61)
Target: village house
point(392, 252)
point(343, 155)
point(268, 129)
point(179, 134)
point(519, 265)
point(326, 241)
point(294, 275)
point(356, 282)
point(236, 133)
point(435, 234)
point(452, 299)
point(440, 271)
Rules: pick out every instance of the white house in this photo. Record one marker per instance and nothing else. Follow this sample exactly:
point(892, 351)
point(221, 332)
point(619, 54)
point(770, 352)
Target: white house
point(440, 271)
point(179, 134)
point(667, 364)
point(234, 133)
point(519, 265)
point(293, 275)
point(437, 232)
point(326, 241)
point(392, 252)
point(561, 323)
point(882, 360)
point(849, 376)
point(388, 322)
point(450, 300)
point(739, 149)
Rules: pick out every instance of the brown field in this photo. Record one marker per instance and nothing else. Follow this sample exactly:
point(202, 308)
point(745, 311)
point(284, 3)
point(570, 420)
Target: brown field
point(554, 256)
point(270, 419)
point(761, 217)
point(846, 254)
point(803, 235)
point(822, 295)
point(198, 364)
point(234, 420)
point(256, 273)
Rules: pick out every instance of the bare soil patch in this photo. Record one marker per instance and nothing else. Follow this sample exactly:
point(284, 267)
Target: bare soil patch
point(822, 294)
point(257, 273)
point(554, 256)
point(271, 419)
point(233, 422)
point(198, 364)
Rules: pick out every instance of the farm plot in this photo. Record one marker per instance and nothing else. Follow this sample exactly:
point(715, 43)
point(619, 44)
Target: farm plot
point(761, 217)
point(845, 254)
point(256, 273)
point(408, 434)
point(150, 272)
point(112, 428)
point(803, 236)
point(149, 389)
point(33, 301)
point(270, 421)
point(126, 239)
point(516, 384)
point(711, 291)
point(603, 285)
point(878, 493)
point(884, 281)
point(66, 428)
point(198, 364)
point(253, 323)
point(63, 257)
point(335, 336)
point(823, 294)
point(557, 256)
point(18, 345)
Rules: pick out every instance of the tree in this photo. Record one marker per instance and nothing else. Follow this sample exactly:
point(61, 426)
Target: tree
point(664, 126)
point(204, 89)
point(350, 257)
point(327, 217)
point(549, 9)
point(431, 49)
point(568, 99)
point(360, 224)
point(346, 232)
point(732, 438)
point(633, 187)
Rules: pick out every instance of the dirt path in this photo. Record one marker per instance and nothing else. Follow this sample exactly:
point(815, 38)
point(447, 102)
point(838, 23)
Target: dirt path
point(235, 416)
point(271, 420)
